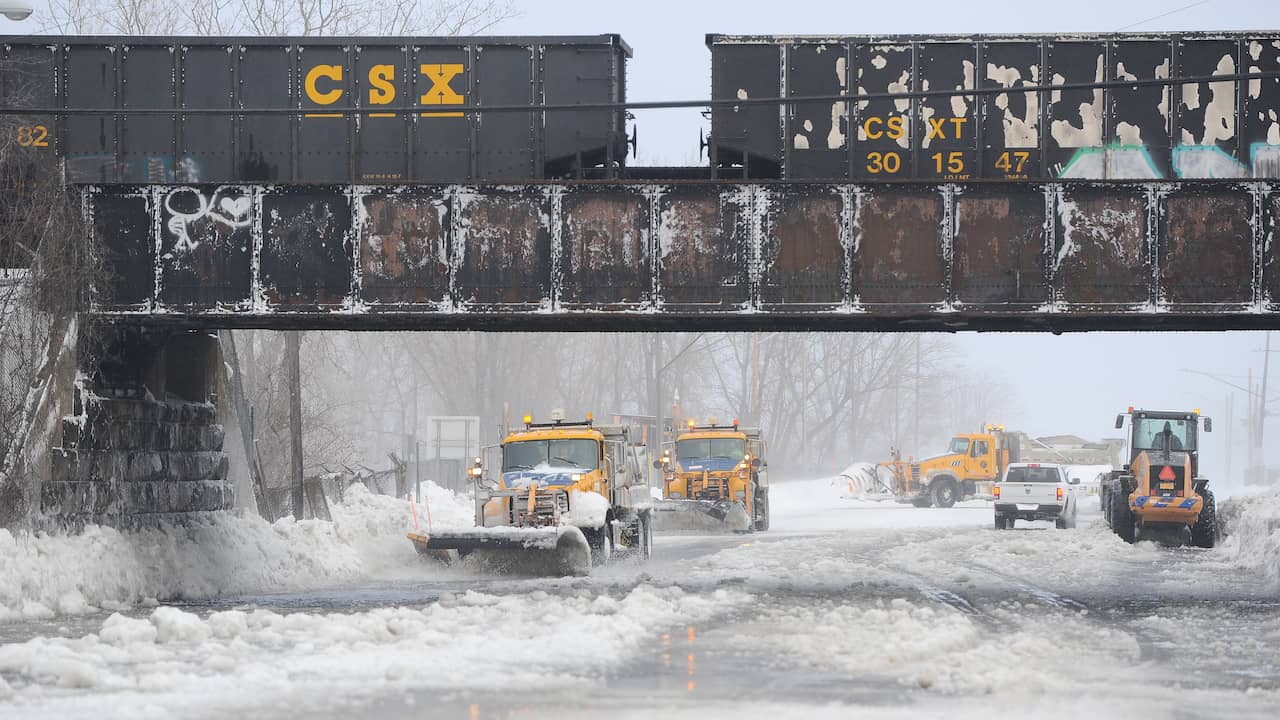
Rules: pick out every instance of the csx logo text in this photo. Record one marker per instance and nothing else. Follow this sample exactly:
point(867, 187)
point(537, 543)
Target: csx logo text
point(320, 79)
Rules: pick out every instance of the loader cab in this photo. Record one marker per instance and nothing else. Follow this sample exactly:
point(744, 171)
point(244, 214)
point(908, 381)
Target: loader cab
point(1160, 433)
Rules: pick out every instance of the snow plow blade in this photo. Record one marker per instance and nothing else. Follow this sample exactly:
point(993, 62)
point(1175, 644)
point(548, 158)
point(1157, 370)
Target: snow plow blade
point(696, 517)
point(535, 551)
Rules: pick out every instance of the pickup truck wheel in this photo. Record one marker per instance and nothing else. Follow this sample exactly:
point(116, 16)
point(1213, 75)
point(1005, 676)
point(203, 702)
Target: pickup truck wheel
point(1060, 523)
point(943, 493)
point(1204, 533)
point(1002, 522)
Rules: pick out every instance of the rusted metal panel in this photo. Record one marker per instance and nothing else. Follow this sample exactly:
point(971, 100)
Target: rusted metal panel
point(703, 248)
point(405, 250)
point(817, 133)
point(206, 247)
point(123, 231)
point(882, 138)
point(1206, 113)
point(999, 253)
point(1194, 272)
point(604, 250)
point(306, 256)
point(1267, 219)
point(900, 258)
point(1011, 122)
point(947, 126)
point(1102, 253)
point(804, 250)
point(502, 248)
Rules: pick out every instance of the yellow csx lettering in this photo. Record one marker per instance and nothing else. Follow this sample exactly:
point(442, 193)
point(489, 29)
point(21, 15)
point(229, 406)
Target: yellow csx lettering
point(937, 127)
point(320, 80)
point(894, 128)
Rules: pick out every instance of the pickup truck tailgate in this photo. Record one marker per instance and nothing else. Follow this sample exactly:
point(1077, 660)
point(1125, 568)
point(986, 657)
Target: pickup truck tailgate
point(1030, 493)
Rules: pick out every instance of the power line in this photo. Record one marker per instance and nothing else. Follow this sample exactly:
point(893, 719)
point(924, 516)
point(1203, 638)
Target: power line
point(650, 105)
point(1163, 15)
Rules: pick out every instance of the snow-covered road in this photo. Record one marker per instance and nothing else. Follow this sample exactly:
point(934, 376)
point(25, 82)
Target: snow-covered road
point(844, 606)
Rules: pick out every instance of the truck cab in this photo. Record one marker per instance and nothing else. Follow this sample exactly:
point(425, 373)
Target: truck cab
point(970, 466)
point(717, 472)
point(570, 473)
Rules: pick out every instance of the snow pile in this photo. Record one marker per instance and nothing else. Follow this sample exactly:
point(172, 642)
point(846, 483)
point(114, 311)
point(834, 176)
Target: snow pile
point(586, 510)
point(863, 480)
point(226, 553)
point(177, 664)
point(1251, 526)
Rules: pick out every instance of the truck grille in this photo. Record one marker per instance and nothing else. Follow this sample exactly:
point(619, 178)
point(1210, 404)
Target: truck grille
point(711, 488)
point(547, 508)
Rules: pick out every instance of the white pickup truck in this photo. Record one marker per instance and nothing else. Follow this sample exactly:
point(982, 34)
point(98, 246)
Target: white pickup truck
point(1035, 491)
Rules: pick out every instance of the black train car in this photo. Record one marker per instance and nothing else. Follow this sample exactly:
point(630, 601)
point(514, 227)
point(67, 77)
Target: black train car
point(315, 76)
point(1204, 130)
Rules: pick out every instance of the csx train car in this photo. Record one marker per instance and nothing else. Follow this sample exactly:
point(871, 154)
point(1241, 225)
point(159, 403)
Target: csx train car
point(405, 89)
point(1209, 129)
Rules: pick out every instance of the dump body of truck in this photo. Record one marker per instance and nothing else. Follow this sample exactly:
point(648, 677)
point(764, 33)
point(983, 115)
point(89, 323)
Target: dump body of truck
point(566, 495)
point(714, 480)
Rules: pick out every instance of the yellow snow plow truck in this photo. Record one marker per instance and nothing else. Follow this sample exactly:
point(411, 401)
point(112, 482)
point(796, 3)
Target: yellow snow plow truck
point(1159, 495)
point(971, 464)
point(567, 496)
point(714, 480)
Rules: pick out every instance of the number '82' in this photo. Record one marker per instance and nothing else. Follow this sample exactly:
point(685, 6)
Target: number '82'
point(33, 136)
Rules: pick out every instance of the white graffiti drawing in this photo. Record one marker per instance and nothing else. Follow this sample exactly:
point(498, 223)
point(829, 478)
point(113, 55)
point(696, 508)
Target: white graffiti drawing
point(233, 212)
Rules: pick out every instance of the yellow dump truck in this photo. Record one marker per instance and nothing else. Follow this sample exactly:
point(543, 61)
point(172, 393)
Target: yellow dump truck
point(715, 479)
point(567, 496)
point(1159, 494)
point(971, 464)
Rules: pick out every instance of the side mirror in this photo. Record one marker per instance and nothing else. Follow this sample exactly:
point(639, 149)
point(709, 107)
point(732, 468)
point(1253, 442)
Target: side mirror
point(755, 462)
point(657, 464)
point(1074, 481)
point(1208, 425)
point(1119, 421)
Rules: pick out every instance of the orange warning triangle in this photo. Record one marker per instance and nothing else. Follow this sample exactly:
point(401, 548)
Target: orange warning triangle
point(1167, 474)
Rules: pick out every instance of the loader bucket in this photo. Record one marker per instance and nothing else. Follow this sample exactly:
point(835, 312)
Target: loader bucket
point(699, 517)
point(524, 551)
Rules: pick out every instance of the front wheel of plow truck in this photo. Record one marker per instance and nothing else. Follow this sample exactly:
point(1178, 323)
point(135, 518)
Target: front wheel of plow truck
point(601, 542)
point(944, 492)
point(1204, 533)
point(761, 506)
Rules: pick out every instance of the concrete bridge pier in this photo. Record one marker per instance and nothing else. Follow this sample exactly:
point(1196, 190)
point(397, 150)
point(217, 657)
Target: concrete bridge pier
point(143, 443)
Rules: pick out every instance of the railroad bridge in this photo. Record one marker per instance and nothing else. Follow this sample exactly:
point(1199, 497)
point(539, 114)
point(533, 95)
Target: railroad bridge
point(909, 183)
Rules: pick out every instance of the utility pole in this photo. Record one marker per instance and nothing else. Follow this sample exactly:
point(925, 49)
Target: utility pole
point(1262, 411)
point(915, 450)
point(293, 366)
point(655, 401)
point(1230, 401)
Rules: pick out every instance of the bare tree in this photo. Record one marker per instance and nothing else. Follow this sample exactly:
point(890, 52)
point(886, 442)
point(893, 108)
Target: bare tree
point(309, 18)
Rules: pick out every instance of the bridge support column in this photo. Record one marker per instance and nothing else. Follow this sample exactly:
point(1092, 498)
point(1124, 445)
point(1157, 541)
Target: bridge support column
point(143, 444)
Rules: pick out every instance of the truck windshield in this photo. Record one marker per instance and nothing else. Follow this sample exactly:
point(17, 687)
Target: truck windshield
point(1149, 434)
point(959, 446)
point(1033, 474)
point(577, 453)
point(706, 448)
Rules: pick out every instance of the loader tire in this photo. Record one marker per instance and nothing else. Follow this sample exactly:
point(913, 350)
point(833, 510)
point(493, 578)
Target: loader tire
point(944, 493)
point(1204, 534)
point(762, 505)
point(1122, 520)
